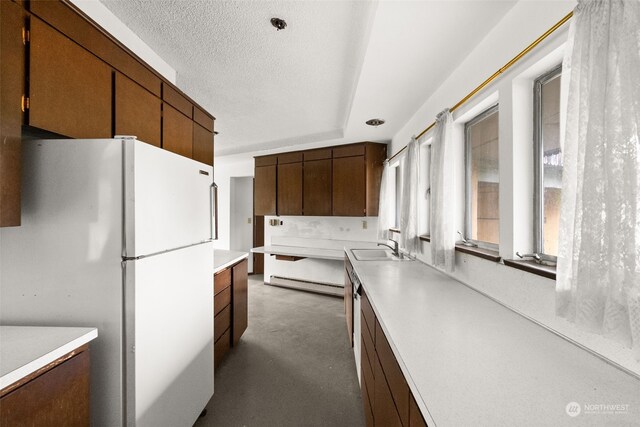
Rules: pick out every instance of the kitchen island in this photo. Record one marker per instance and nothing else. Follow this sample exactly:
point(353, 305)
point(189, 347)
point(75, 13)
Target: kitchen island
point(44, 375)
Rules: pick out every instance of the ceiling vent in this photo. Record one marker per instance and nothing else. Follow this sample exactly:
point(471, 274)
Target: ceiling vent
point(375, 122)
point(280, 24)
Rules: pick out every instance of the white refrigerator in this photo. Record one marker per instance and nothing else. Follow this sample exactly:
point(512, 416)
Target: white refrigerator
point(117, 234)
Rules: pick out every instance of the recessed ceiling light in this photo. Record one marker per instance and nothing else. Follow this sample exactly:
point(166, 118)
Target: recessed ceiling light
point(375, 122)
point(278, 23)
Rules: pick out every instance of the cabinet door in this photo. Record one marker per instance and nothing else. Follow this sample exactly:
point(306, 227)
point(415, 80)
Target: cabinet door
point(384, 410)
point(349, 186)
point(11, 91)
point(317, 187)
point(202, 144)
point(240, 299)
point(177, 132)
point(265, 190)
point(415, 417)
point(69, 88)
point(290, 189)
point(137, 111)
point(58, 397)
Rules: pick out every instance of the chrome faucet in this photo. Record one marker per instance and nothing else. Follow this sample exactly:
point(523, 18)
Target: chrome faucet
point(394, 248)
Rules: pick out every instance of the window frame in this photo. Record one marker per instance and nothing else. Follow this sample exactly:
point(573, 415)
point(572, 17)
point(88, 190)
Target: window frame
point(467, 172)
point(538, 163)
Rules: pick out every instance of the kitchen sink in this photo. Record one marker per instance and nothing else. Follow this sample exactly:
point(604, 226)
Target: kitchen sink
point(376, 255)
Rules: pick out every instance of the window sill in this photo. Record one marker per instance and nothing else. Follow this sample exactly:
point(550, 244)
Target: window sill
point(487, 254)
point(425, 238)
point(532, 267)
point(395, 230)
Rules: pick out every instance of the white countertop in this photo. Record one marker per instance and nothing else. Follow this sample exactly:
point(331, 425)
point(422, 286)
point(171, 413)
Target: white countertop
point(25, 349)
point(223, 259)
point(306, 252)
point(470, 361)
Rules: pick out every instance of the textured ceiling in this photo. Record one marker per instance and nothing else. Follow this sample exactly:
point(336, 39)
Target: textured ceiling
point(261, 84)
point(337, 64)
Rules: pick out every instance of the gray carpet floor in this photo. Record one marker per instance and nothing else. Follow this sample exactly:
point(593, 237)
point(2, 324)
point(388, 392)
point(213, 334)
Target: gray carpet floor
point(293, 366)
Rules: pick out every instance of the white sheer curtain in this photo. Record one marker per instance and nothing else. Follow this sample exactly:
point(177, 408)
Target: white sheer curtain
point(443, 206)
point(409, 240)
point(598, 284)
point(386, 209)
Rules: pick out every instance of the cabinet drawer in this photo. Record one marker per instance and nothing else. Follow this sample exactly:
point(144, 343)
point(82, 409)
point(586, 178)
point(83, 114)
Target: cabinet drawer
point(222, 322)
point(349, 150)
point(221, 300)
point(221, 347)
point(395, 379)
point(221, 281)
point(369, 316)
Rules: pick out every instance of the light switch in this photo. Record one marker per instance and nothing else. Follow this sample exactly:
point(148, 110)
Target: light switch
point(364, 225)
point(249, 220)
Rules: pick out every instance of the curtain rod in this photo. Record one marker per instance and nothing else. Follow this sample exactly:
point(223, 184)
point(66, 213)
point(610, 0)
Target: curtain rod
point(495, 75)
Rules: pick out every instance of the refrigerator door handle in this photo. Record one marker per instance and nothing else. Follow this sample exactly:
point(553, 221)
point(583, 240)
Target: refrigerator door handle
point(213, 194)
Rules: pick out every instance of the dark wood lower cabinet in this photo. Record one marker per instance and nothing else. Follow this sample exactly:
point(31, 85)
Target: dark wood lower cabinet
point(240, 300)
point(57, 397)
point(230, 302)
point(386, 397)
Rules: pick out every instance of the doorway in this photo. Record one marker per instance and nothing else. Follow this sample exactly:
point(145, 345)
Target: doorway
point(241, 221)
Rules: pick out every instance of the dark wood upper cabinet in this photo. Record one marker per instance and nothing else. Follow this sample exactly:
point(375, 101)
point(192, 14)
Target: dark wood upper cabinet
point(175, 99)
point(349, 186)
point(375, 155)
point(339, 181)
point(202, 144)
point(317, 187)
point(137, 111)
point(240, 300)
point(69, 88)
point(12, 85)
point(177, 131)
point(289, 188)
point(265, 190)
point(71, 22)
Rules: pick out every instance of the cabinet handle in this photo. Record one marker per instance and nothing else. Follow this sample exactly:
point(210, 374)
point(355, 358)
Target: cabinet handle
point(213, 196)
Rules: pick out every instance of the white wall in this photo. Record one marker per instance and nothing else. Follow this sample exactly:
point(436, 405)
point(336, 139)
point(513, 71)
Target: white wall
point(315, 232)
point(223, 171)
point(108, 21)
point(531, 295)
point(241, 221)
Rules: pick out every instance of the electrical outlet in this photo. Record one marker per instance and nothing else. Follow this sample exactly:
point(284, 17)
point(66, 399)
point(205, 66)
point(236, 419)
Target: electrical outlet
point(364, 225)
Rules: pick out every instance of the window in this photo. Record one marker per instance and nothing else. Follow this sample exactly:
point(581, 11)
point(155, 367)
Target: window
point(398, 176)
point(547, 162)
point(483, 179)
